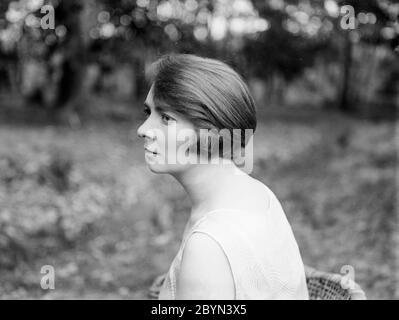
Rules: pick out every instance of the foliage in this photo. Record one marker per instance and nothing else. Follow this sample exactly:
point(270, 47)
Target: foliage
point(302, 30)
point(111, 35)
point(333, 174)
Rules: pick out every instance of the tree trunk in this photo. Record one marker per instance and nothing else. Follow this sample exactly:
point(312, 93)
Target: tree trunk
point(73, 59)
point(344, 103)
point(140, 81)
point(12, 70)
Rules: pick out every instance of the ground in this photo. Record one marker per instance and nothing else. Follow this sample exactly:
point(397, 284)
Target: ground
point(110, 225)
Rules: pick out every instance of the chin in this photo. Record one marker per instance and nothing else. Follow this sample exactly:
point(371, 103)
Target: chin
point(173, 169)
point(157, 166)
point(167, 168)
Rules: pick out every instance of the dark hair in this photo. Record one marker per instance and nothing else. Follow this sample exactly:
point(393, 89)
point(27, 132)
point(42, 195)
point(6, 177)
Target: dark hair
point(206, 92)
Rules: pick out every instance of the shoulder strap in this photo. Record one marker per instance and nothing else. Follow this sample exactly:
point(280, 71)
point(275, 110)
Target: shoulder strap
point(242, 260)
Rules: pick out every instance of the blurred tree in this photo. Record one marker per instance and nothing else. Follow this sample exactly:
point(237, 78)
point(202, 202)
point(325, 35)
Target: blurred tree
point(74, 52)
point(143, 29)
point(57, 54)
point(103, 32)
point(112, 35)
point(8, 57)
point(279, 49)
point(372, 19)
point(301, 30)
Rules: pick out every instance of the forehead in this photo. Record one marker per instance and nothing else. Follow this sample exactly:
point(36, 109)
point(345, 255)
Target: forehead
point(149, 101)
point(160, 106)
point(156, 104)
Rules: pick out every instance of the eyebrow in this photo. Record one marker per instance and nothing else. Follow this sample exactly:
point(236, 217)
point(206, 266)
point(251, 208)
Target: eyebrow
point(157, 108)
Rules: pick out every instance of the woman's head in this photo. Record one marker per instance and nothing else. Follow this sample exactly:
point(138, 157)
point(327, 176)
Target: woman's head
point(202, 93)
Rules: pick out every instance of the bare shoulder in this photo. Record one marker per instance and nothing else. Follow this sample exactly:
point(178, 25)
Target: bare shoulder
point(205, 271)
point(247, 194)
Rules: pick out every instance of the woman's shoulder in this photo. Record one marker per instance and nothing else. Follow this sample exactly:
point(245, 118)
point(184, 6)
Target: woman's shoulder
point(204, 265)
point(248, 195)
point(249, 223)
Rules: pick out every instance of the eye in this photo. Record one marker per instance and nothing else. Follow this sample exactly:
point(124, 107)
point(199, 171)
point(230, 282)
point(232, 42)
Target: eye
point(166, 118)
point(146, 112)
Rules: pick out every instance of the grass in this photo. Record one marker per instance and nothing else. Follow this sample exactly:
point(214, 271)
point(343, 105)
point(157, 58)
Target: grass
point(121, 224)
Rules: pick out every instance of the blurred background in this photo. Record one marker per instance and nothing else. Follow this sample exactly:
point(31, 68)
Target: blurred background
point(75, 192)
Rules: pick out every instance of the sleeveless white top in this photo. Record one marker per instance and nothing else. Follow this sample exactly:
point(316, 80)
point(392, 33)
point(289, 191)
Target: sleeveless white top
point(261, 249)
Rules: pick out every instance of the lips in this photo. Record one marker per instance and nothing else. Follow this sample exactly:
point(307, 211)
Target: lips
point(153, 152)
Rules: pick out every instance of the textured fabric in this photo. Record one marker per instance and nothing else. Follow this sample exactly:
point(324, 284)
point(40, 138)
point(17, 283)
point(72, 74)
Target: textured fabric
point(261, 249)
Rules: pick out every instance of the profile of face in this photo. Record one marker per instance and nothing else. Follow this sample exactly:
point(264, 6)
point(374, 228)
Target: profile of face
point(167, 138)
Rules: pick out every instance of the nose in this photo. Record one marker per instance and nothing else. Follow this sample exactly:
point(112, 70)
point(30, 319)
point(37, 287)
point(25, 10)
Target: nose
point(144, 131)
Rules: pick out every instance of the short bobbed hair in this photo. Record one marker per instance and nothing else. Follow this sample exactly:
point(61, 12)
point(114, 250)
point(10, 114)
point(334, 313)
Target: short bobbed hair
point(206, 92)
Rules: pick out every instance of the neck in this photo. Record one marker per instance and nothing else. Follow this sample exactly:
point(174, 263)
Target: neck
point(204, 182)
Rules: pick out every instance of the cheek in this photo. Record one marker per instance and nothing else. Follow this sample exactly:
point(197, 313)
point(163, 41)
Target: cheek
point(161, 138)
point(186, 139)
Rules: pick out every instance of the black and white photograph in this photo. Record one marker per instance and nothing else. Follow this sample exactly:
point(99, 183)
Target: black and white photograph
point(196, 150)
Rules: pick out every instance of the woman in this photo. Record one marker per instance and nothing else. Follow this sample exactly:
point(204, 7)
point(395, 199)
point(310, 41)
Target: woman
point(237, 243)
